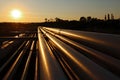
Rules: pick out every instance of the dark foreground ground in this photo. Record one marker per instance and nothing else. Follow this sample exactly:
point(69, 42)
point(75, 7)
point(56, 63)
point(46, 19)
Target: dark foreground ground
point(72, 54)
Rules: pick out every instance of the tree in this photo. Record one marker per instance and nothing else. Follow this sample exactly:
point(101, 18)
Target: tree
point(58, 20)
point(89, 18)
point(82, 19)
point(46, 19)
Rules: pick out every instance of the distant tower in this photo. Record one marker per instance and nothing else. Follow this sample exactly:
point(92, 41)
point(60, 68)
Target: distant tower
point(105, 18)
point(112, 16)
point(108, 17)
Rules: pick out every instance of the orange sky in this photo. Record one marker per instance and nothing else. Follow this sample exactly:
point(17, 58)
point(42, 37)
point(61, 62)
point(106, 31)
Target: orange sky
point(38, 10)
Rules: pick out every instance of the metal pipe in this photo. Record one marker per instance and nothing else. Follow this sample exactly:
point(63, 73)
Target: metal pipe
point(107, 43)
point(36, 77)
point(49, 67)
point(13, 68)
point(90, 69)
point(8, 61)
point(25, 72)
point(68, 70)
point(107, 60)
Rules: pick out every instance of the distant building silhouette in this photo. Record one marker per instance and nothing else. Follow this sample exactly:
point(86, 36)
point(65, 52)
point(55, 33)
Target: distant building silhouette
point(112, 17)
point(108, 16)
point(105, 18)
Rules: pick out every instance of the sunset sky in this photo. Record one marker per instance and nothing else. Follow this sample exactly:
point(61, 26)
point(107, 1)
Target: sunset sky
point(38, 10)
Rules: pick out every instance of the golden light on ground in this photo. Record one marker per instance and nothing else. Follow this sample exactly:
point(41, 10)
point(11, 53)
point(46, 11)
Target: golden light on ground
point(16, 14)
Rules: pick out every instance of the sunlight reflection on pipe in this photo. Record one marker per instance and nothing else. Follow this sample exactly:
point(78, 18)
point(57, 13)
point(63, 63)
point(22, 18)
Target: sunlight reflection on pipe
point(72, 34)
point(108, 59)
point(13, 67)
point(44, 59)
point(92, 70)
point(41, 46)
point(71, 70)
point(72, 57)
point(7, 44)
point(79, 46)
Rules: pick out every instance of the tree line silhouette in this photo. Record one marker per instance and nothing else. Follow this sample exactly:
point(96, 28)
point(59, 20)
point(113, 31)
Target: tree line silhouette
point(109, 25)
point(84, 23)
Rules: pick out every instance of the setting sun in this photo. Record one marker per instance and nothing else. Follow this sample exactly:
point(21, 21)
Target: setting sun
point(16, 14)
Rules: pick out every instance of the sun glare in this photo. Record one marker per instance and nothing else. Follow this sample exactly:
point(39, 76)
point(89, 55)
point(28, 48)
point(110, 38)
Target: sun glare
point(16, 14)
